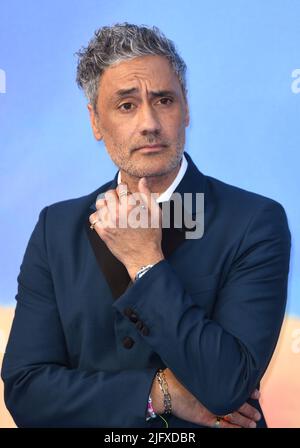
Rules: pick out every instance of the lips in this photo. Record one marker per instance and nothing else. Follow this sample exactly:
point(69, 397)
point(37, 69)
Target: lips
point(151, 148)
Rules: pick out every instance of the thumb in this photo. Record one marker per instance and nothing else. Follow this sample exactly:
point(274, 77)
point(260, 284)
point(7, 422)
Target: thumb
point(146, 193)
point(144, 190)
point(143, 185)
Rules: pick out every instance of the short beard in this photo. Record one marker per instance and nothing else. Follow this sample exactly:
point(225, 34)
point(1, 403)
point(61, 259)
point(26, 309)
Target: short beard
point(132, 170)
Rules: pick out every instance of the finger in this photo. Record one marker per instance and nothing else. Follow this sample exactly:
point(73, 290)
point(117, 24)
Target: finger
point(112, 201)
point(101, 215)
point(100, 204)
point(122, 192)
point(146, 195)
point(149, 200)
point(100, 200)
point(94, 220)
point(250, 412)
point(224, 424)
point(93, 217)
point(240, 420)
point(256, 394)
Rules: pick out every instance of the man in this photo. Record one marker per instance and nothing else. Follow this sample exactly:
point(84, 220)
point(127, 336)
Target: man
point(138, 325)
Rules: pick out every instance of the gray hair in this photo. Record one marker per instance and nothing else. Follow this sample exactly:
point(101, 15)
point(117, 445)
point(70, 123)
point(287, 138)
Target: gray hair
point(123, 41)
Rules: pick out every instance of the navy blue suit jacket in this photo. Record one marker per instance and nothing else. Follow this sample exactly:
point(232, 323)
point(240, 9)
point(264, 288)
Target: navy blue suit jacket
point(85, 342)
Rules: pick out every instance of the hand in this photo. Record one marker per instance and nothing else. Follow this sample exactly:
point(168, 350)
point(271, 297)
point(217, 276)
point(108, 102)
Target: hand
point(185, 406)
point(126, 228)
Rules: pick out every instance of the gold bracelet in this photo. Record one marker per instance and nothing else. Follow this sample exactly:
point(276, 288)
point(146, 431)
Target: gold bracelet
point(161, 378)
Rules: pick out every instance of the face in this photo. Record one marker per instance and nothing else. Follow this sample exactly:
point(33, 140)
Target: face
point(141, 103)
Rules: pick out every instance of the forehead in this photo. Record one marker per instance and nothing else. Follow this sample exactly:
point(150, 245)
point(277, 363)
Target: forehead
point(155, 71)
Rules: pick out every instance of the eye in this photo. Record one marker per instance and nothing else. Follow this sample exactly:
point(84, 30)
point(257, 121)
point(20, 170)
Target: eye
point(126, 107)
point(166, 101)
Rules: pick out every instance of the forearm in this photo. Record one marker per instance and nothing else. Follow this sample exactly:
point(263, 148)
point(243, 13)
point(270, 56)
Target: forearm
point(196, 354)
point(54, 396)
point(210, 361)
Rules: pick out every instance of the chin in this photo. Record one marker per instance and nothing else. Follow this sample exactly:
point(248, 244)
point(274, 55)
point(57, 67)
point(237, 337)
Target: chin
point(153, 171)
point(152, 165)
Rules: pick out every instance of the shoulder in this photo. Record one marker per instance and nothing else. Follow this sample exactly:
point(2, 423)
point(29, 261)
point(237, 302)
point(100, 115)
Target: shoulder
point(64, 219)
point(242, 209)
point(237, 199)
point(75, 206)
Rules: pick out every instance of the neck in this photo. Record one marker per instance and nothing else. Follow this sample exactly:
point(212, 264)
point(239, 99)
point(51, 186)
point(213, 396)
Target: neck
point(156, 184)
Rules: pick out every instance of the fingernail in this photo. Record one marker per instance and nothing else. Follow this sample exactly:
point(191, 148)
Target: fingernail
point(252, 425)
point(257, 416)
point(100, 196)
point(257, 394)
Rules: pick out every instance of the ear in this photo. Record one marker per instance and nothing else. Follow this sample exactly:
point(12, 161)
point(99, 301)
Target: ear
point(94, 119)
point(187, 114)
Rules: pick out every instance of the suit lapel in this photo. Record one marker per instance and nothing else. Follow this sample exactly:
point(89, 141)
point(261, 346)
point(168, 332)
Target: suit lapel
point(114, 271)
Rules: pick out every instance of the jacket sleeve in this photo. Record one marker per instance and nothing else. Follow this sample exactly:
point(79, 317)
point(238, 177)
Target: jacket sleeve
point(41, 390)
point(220, 359)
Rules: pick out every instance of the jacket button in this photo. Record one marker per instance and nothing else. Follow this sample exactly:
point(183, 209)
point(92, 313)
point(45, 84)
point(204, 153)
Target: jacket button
point(128, 312)
point(128, 342)
point(145, 331)
point(139, 325)
point(133, 317)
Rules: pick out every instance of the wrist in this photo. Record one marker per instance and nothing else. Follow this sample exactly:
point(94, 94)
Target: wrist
point(164, 387)
point(157, 397)
point(133, 269)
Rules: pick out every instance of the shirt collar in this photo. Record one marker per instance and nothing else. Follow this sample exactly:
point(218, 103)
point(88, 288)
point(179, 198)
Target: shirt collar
point(165, 195)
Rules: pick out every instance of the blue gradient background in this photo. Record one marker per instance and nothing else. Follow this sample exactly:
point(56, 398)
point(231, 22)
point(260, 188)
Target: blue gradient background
point(244, 115)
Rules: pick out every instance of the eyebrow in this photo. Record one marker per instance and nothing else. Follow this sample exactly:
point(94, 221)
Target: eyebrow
point(153, 94)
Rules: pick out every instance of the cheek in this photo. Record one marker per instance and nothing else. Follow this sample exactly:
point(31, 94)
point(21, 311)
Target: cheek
point(175, 124)
point(111, 132)
point(117, 140)
point(120, 129)
point(176, 116)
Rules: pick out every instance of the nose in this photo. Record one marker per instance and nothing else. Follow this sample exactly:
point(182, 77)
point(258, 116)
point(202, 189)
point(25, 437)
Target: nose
point(148, 121)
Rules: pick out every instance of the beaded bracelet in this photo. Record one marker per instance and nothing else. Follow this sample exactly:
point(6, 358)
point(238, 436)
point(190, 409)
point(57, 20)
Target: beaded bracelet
point(164, 387)
point(150, 410)
point(151, 413)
